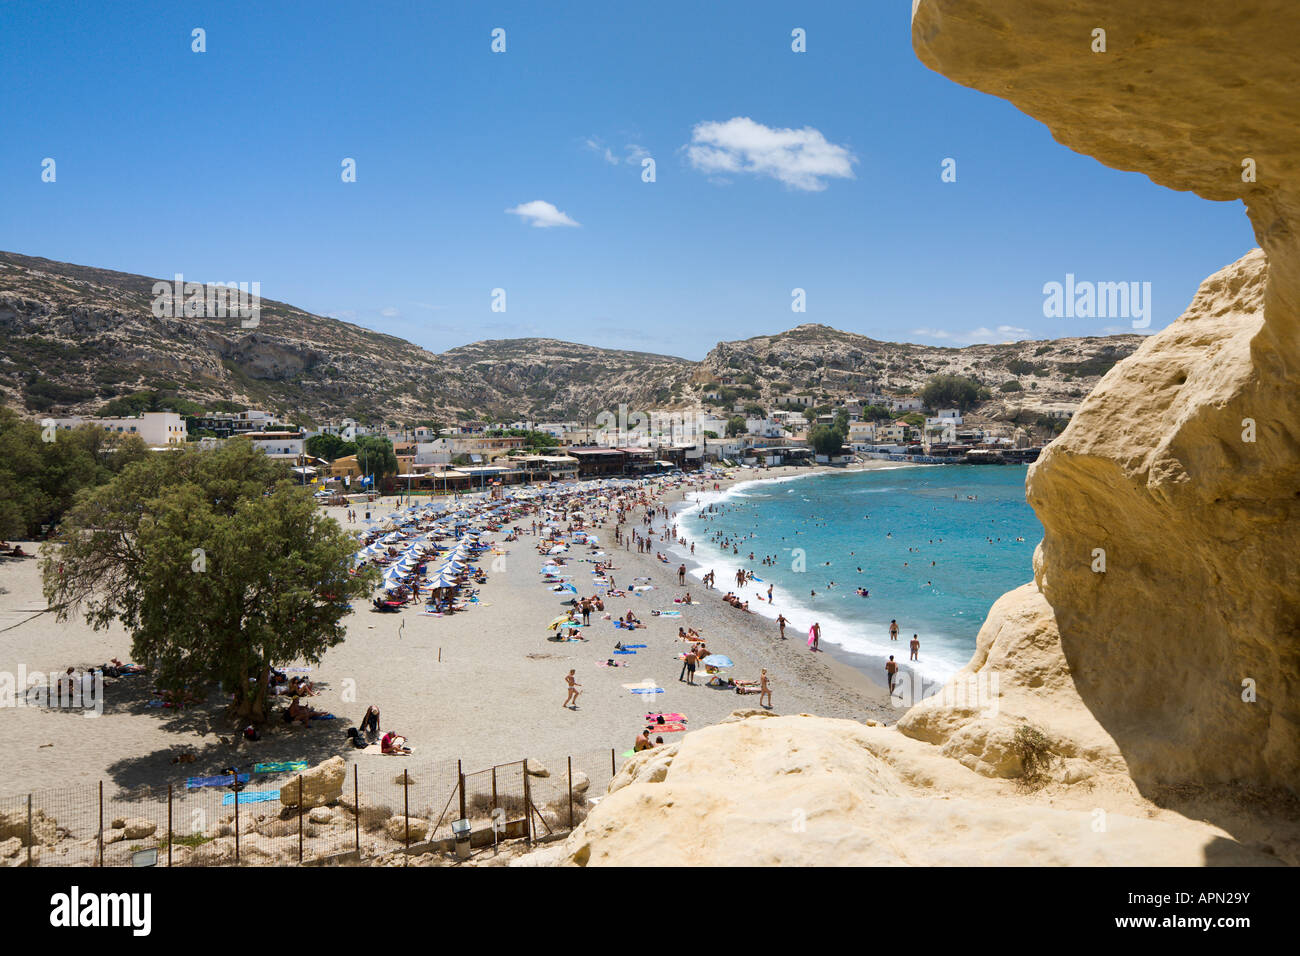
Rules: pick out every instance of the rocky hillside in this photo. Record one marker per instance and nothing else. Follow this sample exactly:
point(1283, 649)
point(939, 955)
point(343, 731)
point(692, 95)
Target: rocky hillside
point(75, 337)
point(829, 364)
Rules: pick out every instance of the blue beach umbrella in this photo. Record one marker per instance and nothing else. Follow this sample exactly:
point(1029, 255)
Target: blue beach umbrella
point(717, 660)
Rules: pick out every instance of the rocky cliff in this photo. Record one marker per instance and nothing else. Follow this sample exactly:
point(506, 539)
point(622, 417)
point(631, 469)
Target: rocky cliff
point(75, 337)
point(1154, 661)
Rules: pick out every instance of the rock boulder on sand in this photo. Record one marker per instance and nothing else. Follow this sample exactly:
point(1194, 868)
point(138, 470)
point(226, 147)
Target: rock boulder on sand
point(321, 785)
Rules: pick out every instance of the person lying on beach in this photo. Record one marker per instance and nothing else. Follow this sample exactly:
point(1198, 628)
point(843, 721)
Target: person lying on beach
point(394, 744)
point(118, 668)
point(300, 713)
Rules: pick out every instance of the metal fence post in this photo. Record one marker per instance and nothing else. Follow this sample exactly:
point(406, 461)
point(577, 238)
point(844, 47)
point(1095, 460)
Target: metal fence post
point(494, 789)
point(299, 819)
point(169, 824)
point(356, 807)
point(613, 767)
point(101, 823)
point(406, 812)
point(528, 809)
point(570, 791)
point(236, 821)
point(31, 838)
point(460, 785)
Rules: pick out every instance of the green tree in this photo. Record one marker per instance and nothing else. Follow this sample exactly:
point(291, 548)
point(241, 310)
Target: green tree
point(218, 565)
point(842, 424)
point(39, 479)
point(375, 455)
point(735, 426)
point(330, 447)
point(951, 391)
point(826, 440)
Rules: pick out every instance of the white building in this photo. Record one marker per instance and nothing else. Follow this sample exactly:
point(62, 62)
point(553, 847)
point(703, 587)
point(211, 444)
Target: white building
point(281, 444)
point(348, 429)
point(905, 403)
point(156, 429)
point(861, 434)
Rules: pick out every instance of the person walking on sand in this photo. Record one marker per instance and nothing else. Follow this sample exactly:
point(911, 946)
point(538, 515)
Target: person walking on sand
point(916, 646)
point(815, 636)
point(765, 690)
point(572, 698)
point(891, 671)
point(781, 622)
point(681, 574)
point(893, 630)
point(688, 667)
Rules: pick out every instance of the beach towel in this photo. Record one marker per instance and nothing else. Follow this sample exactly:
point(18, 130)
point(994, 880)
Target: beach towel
point(282, 766)
point(608, 664)
point(633, 647)
point(250, 796)
point(197, 783)
point(671, 718)
point(629, 753)
point(812, 636)
point(323, 717)
point(625, 652)
point(669, 613)
point(669, 728)
point(648, 690)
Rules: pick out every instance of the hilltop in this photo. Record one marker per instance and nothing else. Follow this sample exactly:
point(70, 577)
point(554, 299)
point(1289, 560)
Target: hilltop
point(76, 337)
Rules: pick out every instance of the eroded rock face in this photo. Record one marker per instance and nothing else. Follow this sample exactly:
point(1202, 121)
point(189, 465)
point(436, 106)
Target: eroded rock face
point(769, 791)
point(1183, 465)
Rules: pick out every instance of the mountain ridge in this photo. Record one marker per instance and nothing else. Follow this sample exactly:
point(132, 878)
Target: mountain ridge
point(75, 337)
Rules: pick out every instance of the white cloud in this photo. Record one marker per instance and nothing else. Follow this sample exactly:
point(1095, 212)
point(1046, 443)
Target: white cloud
point(1012, 330)
point(541, 214)
point(596, 146)
point(633, 152)
point(932, 333)
point(389, 312)
point(800, 158)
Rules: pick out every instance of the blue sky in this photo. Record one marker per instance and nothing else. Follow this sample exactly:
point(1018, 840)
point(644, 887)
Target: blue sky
point(225, 165)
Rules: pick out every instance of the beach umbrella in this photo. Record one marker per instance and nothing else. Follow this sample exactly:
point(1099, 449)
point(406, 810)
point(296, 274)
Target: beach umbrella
point(717, 660)
point(563, 619)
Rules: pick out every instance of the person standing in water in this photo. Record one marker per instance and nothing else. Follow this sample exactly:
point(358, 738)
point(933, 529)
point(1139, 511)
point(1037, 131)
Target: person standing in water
point(916, 647)
point(893, 630)
point(815, 632)
point(891, 671)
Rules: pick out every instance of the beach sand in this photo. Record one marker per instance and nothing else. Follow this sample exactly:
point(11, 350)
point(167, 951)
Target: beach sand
point(484, 686)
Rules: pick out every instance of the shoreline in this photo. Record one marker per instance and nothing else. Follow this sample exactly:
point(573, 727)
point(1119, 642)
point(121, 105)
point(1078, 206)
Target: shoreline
point(865, 666)
point(483, 686)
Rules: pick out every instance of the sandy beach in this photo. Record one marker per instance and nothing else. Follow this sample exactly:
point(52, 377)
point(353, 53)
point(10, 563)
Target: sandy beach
point(484, 686)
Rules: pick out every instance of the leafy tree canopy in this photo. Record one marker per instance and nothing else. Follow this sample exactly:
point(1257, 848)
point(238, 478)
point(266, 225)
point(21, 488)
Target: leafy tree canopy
point(215, 562)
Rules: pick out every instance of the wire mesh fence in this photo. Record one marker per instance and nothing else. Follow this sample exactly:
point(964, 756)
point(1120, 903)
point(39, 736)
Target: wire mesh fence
point(312, 817)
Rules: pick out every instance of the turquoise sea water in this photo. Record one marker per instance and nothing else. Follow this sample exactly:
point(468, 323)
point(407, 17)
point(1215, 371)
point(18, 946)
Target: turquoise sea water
point(931, 557)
